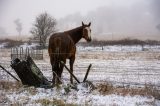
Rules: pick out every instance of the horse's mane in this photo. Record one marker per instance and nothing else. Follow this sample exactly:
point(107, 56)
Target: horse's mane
point(74, 29)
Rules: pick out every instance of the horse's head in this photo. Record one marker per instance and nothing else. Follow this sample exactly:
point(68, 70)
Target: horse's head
point(86, 32)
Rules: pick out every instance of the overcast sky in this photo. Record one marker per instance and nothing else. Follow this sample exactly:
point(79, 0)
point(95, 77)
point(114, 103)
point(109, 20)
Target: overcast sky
point(27, 10)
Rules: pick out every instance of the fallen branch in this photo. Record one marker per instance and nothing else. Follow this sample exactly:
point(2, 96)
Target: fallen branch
point(10, 73)
point(89, 67)
point(70, 72)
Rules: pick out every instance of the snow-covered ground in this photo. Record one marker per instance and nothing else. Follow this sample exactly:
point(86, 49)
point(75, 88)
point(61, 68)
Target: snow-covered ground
point(2, 45)
point(82, 96)
point(117, 48)
point(33, 45)
point(120, 65)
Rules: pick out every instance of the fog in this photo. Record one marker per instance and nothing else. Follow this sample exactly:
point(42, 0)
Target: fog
point(2, 6)
point(18, 25)
point(156, 11)
point(140, 20)
point(111, 19)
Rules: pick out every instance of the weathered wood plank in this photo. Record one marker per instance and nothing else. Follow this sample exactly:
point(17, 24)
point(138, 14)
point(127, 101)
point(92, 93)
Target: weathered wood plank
point(70, 72)
point(29, 73)
point(85, 78)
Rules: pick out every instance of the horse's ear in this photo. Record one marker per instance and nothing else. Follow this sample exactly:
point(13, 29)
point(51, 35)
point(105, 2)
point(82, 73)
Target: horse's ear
point(82, 23)
point(89, 24)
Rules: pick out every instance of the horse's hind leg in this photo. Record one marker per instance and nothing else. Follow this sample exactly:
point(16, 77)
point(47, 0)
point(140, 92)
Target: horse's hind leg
point(54, 70)
point(71, 68)
point(60, 72)
point(57, 71)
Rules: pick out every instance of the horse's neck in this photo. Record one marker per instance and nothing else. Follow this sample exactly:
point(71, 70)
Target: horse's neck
point(75, 34)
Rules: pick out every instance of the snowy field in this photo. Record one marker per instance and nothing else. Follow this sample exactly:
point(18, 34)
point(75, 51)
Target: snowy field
point(116, 64)
point(131, 67)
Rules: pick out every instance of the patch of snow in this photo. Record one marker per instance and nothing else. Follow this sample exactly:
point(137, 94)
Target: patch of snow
point(2, 45)
point(120, 64)
point(116, 48)
point(81, 96)
point(25, 45)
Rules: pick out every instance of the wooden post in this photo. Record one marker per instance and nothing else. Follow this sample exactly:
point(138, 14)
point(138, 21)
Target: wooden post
point(70, 72)
point(89, 67)
point(9, 73)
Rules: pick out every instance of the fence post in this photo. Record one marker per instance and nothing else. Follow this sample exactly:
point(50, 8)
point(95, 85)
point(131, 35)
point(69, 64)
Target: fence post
point(11, 53)
point(27, 52)
point(14, 53)
point(16, 49)
point(87, 73)
point(21, 53)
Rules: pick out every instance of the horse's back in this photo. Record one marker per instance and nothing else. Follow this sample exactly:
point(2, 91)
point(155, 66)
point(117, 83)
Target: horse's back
point(60, 40)
point(62, 44)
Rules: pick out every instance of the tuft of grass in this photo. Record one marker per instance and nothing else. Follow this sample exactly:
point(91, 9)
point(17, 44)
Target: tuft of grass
point(105, 89)
point(147, 90)
point(32, 90)
point(9, 85)
point(54, 102)
point(152, 90)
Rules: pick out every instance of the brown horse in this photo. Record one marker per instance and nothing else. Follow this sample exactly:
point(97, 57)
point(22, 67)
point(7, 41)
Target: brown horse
point(62, 46)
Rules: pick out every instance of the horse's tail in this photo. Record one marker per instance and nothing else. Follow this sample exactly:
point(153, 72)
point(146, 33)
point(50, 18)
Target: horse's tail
point(57, 56)
point(57, 44)
point(54, 49)
point(57, 49)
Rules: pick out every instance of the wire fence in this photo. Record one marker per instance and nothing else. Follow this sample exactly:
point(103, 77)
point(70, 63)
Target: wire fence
point(117, 72)
point(22, 53)
point(124, 48)
point(124, 68)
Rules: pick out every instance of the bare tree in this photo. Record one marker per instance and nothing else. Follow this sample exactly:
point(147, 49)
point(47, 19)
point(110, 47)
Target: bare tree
point(43, 27)
point(18, 26)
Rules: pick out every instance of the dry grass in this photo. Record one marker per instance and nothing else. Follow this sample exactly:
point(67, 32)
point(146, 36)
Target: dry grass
point(148, 90)
point(9, 85)
point(104, 89)
point(54, 102)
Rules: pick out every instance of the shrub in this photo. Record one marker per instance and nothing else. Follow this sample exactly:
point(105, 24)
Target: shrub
point(11, 43)
point(126, 41)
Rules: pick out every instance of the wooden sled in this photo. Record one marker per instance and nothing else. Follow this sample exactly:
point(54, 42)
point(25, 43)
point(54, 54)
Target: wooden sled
point(29, 73)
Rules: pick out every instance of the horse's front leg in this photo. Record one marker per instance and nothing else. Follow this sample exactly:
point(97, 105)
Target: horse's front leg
point(72, 59)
